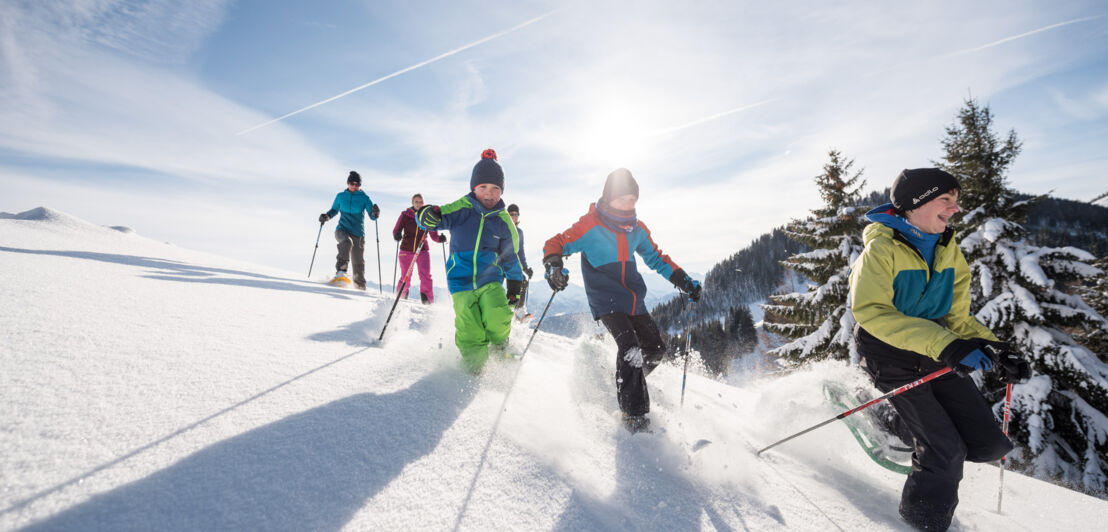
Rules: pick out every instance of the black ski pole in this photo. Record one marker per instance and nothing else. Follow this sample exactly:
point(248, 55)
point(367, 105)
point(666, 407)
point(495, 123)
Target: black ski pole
point(688, 346)
point(444, 262)
point(377, 230)
point(897, 391)
point(543, 315)
point(316, 249)
point(404, 279)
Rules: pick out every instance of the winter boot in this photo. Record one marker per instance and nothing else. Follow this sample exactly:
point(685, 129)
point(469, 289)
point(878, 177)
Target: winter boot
point(340, 279)
point(501, 350)
point(423, 298)
point(636, 424)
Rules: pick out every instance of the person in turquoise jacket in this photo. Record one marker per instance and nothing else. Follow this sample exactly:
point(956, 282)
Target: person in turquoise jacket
point(483, 252)
point(352, 203)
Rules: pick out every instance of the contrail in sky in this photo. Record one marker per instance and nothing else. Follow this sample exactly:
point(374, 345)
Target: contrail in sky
point(1022, 35)
point(399, 72)
point(716, 116)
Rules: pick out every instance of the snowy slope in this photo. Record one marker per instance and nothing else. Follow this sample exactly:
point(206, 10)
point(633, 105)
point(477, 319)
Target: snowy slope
point(148, 387)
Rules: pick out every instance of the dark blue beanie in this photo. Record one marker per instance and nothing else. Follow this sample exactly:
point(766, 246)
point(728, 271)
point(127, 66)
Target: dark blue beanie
point(487, 171)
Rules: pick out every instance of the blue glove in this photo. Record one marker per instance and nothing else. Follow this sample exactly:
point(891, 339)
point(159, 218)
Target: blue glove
point(977, 359)
point(965, 356)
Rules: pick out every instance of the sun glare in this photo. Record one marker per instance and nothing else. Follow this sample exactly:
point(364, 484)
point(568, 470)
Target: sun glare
point(614, 132)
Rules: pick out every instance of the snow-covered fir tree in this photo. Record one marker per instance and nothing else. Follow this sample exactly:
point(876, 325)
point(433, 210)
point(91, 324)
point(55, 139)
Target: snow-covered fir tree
point(1095, 292)
point(1019, 291)
point(818, 320)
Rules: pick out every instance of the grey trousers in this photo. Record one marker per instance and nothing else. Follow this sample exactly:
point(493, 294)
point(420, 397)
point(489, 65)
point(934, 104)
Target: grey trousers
point(351, 249)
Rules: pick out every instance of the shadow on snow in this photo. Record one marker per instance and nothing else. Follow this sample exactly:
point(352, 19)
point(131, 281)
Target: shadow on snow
point(309, 471)
point(167, 270)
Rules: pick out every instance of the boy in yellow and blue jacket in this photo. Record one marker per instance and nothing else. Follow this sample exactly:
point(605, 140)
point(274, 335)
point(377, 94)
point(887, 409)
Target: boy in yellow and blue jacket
point(910, 298)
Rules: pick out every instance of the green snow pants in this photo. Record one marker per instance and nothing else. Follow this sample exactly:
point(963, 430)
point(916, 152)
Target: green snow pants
point(481, 317)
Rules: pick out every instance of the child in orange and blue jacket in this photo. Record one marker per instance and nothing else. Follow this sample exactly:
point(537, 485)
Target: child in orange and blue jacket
point(608, 237)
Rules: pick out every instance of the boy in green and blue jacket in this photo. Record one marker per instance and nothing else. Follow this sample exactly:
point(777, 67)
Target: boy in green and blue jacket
point(483, 252)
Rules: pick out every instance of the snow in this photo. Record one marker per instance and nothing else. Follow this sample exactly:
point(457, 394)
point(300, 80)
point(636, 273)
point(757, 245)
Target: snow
point(149, 387)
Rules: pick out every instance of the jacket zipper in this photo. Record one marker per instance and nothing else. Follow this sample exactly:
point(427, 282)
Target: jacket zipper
point(477, 246)
point(623, 272)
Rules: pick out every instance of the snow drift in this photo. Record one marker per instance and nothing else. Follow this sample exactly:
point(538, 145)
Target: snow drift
point(148, 387)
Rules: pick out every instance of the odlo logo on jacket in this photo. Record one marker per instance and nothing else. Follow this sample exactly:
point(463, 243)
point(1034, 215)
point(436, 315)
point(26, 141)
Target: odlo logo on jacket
point(919, 198)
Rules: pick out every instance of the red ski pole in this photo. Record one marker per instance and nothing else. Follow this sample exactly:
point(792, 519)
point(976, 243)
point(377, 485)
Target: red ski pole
point(897, 391)
point(404, 280)
point(1007, 415)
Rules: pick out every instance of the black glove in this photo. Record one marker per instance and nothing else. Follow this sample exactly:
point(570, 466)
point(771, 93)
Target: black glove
point(686, 284)
point(429, 217)
point(442, 238)
point(398, 236)
point(1012, 368)
point(323, 217)
point(374, 212)
point(556, 276)
point(528, 272)
point(965, 356)
point(515, 289)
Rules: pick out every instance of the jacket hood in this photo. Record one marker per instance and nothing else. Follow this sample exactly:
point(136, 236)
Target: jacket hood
point(886, 220)
point(886, 215)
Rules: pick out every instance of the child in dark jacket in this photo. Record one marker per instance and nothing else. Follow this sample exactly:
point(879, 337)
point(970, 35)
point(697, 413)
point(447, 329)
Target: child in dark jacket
point(608, 236)
point(483, 251)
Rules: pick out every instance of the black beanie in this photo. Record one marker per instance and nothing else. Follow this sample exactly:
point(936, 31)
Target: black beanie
point(487, 171)
point(619, 182)
point(354, 178)
point(513, 208)
point(913, 188)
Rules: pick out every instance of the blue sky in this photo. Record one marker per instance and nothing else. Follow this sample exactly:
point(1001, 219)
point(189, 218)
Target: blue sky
point(145, 113)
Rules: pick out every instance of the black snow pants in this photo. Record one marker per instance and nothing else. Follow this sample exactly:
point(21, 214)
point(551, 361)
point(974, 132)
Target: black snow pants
point(950, 422)
point(641, 349)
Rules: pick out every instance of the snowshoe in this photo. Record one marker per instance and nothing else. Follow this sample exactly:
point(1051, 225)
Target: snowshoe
point(523, 316)
point(873, 429)
point(340, 280)
point(636, 424)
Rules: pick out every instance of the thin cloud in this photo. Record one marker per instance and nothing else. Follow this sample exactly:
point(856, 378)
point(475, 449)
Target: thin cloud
point(1022, 35)
point(402, 71)
point(716, 116)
